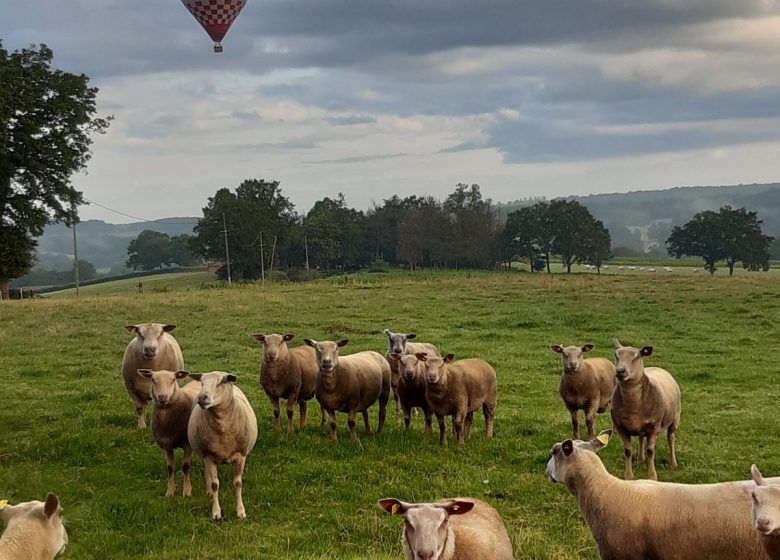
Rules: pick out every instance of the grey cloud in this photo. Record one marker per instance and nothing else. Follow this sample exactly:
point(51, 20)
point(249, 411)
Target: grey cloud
point(359, 159)
point(351, 120)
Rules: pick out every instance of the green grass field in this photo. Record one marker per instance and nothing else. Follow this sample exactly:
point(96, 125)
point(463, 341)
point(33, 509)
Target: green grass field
point(68, 426)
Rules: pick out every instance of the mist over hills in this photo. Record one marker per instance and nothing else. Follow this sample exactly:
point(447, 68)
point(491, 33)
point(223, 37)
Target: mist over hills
point(639, 220)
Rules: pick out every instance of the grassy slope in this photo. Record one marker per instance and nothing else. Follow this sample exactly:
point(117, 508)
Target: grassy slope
point(155, 283)
point(67, 425)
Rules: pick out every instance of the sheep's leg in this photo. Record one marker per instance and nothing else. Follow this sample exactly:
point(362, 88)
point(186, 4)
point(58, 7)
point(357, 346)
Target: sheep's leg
point(365, 422)
point(575, 424)
point(140, 412)
point(210, 468)
point(489, 410)
point(323, 420)
point(332, 425)
point(290, 410)
point(442, 430)
point(277, 423)
point(238, 485)
point(590, 417)
point(457, 422)
point(303, 409)
point(651, 439)
point(383, 398)
point(170, 461)
point(670, 435)
point(642, 447)
point(407, 415)
point(351, 423)
point(185, 469)
point(428, 421)
point(467, 424)
point(629, 471)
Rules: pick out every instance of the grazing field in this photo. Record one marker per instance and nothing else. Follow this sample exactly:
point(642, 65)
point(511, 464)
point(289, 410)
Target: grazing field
point(67, 425)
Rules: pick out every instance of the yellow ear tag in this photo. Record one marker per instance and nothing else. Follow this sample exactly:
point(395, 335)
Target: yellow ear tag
point(3, 503)
point(603, 438)
point(394, 509)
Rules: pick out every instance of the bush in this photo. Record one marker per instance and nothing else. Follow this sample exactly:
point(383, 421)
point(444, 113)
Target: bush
point(277, 276)
point(379, 266)
point(302, 275)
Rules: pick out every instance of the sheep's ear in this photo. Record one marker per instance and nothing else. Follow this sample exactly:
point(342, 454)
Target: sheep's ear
point(646, 351)
point(181, 374)
point(387, 332)
point(228, 378)
point(600, 441)
point(587, 348)
point(393, 506)
point(757, 476)
point(288, 337)
point(458, 507)
point(52, 505)
point(616, 344)
point(169, 328)
point(342, 342)
point(131, 328)
point(568, 447)
point(422, 356)
point(395, 356)
point(310, 342)
point(448, 358)
point(410, 336)
point(6, 510)
point(258, 337)
point(146, 373)
point(196, 376)
point(557, 348)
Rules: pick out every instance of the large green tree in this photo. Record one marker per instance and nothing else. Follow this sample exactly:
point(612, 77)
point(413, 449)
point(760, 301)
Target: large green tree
point(148, 251)
point(520, 235)
point(596, 247)
point(571, 224)
point(335, 234)
point(47, 118)
point(474, 241)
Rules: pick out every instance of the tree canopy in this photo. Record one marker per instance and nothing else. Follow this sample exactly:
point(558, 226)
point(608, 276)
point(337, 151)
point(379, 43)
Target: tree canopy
point(47, 119)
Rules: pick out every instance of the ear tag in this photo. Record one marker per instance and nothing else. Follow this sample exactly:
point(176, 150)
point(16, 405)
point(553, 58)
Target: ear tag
point(393, 510)
point(3, 503)
point(455, 507)
point(603, 438)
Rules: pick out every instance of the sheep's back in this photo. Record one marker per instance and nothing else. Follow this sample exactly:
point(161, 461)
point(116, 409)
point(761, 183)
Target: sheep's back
point(668, 390)
point(480, 533)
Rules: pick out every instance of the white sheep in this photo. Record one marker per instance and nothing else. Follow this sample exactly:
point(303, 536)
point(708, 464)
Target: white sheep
point(222, 429)
point(586, 384)
point(645, 519)
point(33, 530)
point(766, 513)
point(453, 529)
point(151, 348)
point(645, 403)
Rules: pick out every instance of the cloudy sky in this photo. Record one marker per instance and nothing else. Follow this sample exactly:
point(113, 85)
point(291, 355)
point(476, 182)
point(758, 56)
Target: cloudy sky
point(372, 98)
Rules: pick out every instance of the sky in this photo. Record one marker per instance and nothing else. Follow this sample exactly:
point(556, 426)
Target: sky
point(374, 98)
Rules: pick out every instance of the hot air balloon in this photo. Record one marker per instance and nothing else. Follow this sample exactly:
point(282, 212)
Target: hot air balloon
point(216, 16)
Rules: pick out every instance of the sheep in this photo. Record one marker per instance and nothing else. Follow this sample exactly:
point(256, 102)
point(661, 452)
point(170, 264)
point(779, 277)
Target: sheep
point(766, 513)
point(152, 348)
point(644, 519)
point(586, 384)
point(453, 529)
point(411, 387)
point(222, 429)
point(645, 403)
point(398, 343)
point(620, 268)
point(668, 269)
point(650, 270)
point(288, 373)
point(171, 414)
point(33, 530)
point(457, 389)
point(350, 384)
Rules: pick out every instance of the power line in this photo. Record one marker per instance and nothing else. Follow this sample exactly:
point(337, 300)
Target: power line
point(136, 217)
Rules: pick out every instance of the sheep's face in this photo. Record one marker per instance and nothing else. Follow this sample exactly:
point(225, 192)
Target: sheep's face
point(150, 335)
point(274, 345)
point(44, 517)
point(435, 366)
point(563, 454)
point(426, 526)
point(766, 505)
point(571, 356)
point(216, 390)
point(164, 384)
point(628, 362)
point(407, 365)
point(327, 353)
point(396, 342)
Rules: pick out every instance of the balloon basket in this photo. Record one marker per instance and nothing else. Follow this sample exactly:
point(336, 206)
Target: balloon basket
point(217, 48)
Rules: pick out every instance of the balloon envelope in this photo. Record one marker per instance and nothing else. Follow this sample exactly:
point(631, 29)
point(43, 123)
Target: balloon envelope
point(216, 16)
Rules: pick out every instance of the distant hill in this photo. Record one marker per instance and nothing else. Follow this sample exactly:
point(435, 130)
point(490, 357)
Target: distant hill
point(642, 220)
point(102, 244)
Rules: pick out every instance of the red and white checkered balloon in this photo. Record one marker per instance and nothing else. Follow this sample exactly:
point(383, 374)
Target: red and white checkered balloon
point(216, 16)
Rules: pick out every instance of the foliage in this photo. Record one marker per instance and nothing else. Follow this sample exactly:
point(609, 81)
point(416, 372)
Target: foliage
point(153, 249)
point(335, 234)
point(47, 117)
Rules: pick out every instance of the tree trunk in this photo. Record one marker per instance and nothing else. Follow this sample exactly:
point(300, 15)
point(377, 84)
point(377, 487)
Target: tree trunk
point(568, 266)
point(547, 257)
point(4, 289)
point(598, 269)
point(731, 267)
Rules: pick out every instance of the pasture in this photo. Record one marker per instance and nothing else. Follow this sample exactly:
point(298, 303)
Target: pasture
point(69, 427)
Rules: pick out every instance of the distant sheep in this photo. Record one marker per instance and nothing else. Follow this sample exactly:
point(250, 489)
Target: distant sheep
point(457, 389)
point(632, 520)
point(646, 402)
point(398, 343)
point(288, 373)
point(222, 429)
point(766, 513)
point(33, 530)
point(454, 529)
point(351, 384)
point(172, 408)
point(154, 349)
point(411, 387)
point(586, 384)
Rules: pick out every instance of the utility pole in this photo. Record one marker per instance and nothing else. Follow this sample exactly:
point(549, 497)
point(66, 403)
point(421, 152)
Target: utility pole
point(262, 259)
point(227, 250)
point(306, 248)
point(75, 245)
point(273, 252)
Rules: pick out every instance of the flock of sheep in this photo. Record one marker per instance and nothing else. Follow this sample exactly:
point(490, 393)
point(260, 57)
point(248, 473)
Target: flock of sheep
point(212, 417)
